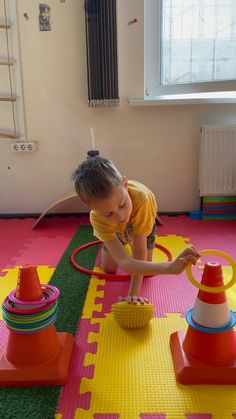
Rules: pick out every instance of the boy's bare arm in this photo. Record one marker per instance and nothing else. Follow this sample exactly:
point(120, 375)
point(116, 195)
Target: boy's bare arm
point(135, 266)
point(139, 252)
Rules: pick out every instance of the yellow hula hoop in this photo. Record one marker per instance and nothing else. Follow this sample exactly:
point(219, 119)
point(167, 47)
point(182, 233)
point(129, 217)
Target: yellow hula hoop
point(205, 287)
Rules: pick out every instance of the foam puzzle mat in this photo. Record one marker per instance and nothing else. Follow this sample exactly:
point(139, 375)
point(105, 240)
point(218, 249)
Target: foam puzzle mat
point(118, 373)
point(129, 374)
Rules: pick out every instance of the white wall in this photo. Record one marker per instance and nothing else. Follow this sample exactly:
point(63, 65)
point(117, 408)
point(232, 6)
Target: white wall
point(156, 145)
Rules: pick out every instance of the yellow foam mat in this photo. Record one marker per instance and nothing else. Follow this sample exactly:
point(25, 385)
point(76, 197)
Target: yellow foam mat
point(175, 244)
point(92, 294)
point(134, 374)
point(8, 282)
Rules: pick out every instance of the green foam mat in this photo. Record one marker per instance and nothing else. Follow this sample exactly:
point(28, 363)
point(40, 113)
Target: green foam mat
point(219, 199)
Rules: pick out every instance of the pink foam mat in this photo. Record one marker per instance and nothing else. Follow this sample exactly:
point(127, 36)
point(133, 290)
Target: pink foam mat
point(203, 234)
point(70, 398)
point(199, 416)
point(3, 336)
point(152, 416)
point(170, 293)
point(175, 293)
point(106, 416)
point(43, 246)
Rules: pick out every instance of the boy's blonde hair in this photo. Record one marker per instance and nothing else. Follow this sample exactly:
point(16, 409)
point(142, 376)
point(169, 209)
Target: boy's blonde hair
point(95, 178)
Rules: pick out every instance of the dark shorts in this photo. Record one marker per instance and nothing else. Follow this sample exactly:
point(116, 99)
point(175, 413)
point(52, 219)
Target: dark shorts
point(150, 239)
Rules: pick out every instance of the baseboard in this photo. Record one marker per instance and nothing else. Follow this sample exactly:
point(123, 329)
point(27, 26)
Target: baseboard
point(78, 214)
point(37, 215)
point(174, 213)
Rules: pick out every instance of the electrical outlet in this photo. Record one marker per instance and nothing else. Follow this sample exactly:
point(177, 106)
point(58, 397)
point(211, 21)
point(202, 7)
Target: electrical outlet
point(31, 147)
point(15, 146)
point(23, 146)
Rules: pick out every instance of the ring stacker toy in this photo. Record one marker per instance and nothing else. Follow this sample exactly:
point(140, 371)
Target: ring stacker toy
point(206, 354)
point(36, 355)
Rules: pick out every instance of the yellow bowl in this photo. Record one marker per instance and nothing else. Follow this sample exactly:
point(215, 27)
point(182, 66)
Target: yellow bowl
point(132, 315)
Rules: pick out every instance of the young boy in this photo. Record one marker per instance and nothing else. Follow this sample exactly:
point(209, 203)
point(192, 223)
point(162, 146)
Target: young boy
point(124, 211)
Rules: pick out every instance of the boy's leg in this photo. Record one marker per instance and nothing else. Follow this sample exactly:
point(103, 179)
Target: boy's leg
point(108, 264)
point(149, 255)
point(151, 243)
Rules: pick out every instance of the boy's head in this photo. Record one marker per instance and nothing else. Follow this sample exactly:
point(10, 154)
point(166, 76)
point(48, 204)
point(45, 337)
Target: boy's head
point(95, 178)
point(101, 186)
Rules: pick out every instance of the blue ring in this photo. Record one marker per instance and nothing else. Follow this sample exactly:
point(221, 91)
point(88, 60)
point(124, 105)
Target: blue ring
point(211, 329)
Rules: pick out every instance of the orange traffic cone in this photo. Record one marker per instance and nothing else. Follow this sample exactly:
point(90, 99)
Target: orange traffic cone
point(207, 353)
point(28, 284)
point(36, 354)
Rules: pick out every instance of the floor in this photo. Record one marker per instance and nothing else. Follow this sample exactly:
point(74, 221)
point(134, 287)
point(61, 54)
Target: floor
point(115, 372)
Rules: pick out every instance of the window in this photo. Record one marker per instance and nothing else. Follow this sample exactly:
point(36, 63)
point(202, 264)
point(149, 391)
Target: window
point(190, 48)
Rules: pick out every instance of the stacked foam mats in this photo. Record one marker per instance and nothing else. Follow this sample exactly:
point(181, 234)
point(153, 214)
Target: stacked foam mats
point(219, 208)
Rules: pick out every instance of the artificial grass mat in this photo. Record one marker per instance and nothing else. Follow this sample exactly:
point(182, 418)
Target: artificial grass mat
point(41, 402)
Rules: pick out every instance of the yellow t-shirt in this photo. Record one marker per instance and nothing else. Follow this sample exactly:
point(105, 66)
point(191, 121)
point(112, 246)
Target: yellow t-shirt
point(142, 218)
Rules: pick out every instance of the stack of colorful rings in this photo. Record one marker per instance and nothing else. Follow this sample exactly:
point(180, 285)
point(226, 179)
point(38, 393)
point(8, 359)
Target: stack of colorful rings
point(31, 316)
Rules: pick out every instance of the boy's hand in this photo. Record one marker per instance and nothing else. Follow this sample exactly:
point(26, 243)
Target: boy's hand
point(188, 255)
point(134, 299)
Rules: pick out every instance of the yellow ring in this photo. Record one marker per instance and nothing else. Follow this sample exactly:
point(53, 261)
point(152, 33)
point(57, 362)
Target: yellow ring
point(205, 287)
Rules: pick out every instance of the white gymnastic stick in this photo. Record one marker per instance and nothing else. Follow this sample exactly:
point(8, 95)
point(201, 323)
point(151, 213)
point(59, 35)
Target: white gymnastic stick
point(92, 137)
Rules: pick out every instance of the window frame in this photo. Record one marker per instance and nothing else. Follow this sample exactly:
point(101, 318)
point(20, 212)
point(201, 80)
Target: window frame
point(152, 58)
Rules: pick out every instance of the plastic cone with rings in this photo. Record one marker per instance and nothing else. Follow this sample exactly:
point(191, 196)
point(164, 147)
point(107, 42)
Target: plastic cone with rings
point(206, 353)
point(36, 355)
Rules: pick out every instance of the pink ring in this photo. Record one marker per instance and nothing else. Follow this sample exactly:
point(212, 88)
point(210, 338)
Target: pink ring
point(11, 309)
point(109, 277)
point(53, 294)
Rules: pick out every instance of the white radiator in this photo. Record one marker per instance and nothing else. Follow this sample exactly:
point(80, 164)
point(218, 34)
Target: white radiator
point(217, 160)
